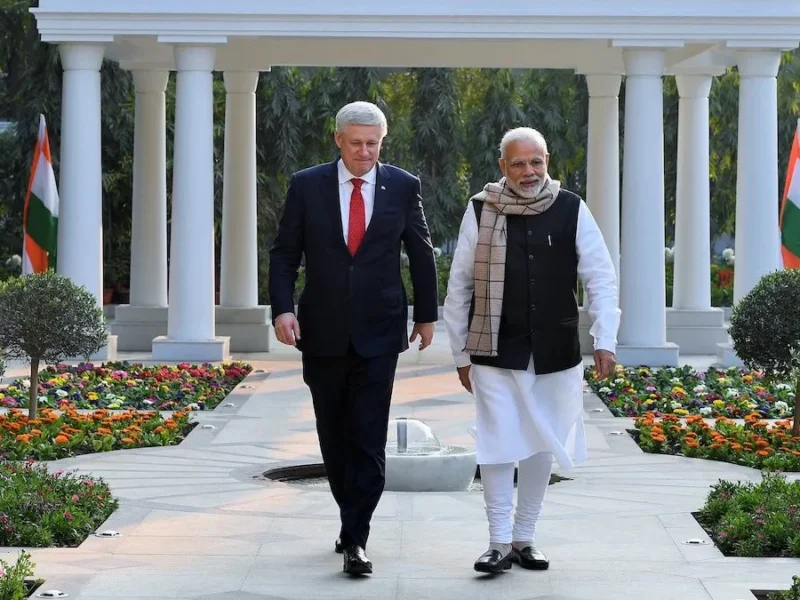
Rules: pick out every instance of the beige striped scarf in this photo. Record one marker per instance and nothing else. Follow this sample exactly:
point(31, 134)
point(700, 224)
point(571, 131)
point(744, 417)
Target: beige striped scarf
point(499, 200)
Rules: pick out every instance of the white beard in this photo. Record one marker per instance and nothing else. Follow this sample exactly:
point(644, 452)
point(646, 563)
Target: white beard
point(530, 193)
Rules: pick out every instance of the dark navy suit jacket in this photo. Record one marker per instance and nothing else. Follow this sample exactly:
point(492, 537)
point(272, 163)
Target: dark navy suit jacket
point(358, 300)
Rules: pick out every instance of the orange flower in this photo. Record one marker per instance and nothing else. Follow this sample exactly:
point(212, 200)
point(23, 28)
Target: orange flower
point(762, 444)
point(61, 439)
point(127, 440)
point(762, 453)
point(24, 439)
point(658, 438)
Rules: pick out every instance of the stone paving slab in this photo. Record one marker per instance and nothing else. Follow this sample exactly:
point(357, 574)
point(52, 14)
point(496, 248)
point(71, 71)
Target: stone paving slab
point(199, 522)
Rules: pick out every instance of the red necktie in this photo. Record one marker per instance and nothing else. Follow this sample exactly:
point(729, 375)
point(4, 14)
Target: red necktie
point(358, 219)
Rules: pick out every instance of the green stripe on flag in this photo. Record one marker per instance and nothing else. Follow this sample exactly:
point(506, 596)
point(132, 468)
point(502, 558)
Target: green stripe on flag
point(790, 232)
point(42, 225)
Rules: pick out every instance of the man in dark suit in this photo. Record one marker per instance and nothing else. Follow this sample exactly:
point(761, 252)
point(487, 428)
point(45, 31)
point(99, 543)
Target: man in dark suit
point(349, 218)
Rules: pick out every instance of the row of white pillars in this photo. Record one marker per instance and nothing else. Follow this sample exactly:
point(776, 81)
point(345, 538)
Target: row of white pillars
point(190, 296)
point(637, 247)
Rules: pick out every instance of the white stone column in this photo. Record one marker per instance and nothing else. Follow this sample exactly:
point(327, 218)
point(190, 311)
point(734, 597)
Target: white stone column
point(757, 195)
point(80, 222)
point(149, 228)
point(190, 327)
point(642, 334)
point(602, 158)
point(692, 286)
point(239, 270)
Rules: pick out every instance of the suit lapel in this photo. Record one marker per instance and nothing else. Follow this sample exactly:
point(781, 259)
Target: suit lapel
point(380, 201)
point(330, 199)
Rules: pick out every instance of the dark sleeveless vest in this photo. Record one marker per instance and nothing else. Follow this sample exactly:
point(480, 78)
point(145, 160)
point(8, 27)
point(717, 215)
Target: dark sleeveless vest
point(540, 293)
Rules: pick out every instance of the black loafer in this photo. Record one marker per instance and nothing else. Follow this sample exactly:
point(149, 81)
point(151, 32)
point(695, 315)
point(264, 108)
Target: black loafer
point(530, 558)
point(356, 561)
point(337, 546)
point(492, 561)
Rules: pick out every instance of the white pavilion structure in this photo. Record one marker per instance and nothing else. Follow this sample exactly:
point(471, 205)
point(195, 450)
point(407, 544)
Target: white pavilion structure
point(174, 314)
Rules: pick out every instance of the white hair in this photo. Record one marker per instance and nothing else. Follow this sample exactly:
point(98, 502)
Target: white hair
point(522, 134)
point(361, 113)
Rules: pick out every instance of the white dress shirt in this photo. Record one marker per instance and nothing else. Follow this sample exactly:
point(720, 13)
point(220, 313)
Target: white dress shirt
point(595, 269)
point(346, 190)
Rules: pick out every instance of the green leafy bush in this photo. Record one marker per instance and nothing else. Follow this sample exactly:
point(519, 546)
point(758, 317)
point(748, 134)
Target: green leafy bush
point(790, 594)
point(766, 331)
point(47, 318)
point(754, 519)
point(14, 579)
point(42, 509)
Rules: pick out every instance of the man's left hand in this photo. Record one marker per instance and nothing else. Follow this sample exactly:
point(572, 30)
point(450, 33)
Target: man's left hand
point(425, 332)
point(604, 363)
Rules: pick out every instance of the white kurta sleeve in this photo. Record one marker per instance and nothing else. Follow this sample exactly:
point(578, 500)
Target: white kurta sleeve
point(460, 287)
point(596, 271)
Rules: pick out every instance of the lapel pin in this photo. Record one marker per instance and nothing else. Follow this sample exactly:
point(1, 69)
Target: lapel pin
point(383, 188)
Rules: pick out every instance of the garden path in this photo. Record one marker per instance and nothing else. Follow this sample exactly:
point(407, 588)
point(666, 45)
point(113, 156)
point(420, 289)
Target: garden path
point(197, 523)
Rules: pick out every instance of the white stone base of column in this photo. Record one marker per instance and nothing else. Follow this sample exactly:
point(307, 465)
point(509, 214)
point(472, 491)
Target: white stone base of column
point(726, 355)
point(106, 353)
point(654, 356)
point(169, 350)
point(248, 328)
point(137, 326)
point(667, 355)
point(696, 331)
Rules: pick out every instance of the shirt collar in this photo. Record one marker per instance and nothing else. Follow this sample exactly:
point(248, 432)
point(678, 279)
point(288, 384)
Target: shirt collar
point(345, 175)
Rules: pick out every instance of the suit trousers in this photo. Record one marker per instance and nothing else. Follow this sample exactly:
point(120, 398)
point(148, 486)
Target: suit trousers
point(352, 396)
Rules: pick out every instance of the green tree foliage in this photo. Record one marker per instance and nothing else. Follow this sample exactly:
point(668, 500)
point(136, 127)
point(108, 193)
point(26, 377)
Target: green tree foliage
point(436, 147)
point(766, 331)
point(47, 319)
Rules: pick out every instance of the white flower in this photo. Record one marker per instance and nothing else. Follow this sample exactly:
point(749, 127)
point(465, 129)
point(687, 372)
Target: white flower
point(783, 387)
point(437, 252)
point(732, 393)
point(705, 411)
point(604, 390)
point(701, 394)
point(699, 389)
point(727, 253)
point(25, 384)
point(619, 380)
point(676, 404)
point(781, 406)
point(676, 380)
point(62, 393)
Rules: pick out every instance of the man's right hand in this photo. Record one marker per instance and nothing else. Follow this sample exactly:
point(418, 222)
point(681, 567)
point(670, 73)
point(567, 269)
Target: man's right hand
point(463, 376)
point(287, 329)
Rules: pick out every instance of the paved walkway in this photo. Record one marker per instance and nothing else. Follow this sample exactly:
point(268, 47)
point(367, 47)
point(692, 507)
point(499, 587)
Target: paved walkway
point(198, 523)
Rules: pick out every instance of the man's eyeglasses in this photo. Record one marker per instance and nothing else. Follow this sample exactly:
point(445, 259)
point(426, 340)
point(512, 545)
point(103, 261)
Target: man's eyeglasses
point(519, 164)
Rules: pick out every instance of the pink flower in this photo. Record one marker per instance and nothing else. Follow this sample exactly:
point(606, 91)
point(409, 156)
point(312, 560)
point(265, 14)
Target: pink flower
point(68, 515)
point(75, 498)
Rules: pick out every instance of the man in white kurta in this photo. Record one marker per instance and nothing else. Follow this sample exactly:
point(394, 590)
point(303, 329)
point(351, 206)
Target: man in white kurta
point(533, 234)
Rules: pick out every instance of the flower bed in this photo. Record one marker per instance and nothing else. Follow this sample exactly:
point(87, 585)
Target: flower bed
point(42, 509)
point(53, 436)
point(754, 444)
point(16, 580)
point(684, 391)
point(754, 520)
point(123, 385)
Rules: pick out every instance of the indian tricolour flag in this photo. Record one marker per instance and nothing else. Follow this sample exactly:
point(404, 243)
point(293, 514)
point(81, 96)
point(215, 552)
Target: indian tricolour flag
point(40, 217)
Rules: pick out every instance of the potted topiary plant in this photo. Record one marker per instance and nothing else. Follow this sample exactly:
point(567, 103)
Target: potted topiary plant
point(765, 330)
point(46, 318)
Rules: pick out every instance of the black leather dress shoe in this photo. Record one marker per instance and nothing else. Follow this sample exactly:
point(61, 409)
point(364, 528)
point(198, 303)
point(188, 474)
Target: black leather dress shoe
point(530, 558)
point(492, 561)
point(356, 561)
point(337, 546)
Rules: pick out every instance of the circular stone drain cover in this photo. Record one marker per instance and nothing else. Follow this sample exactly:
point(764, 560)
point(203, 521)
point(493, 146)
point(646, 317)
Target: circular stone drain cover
point(109, 533)
point(52, 594)
point(616, 433)
point(696, 542)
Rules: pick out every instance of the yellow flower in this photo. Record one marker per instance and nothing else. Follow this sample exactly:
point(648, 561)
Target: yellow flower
point(92, 396)
point(165, 388)
point(719, 403)
point(681, 411)
point(747, 379)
